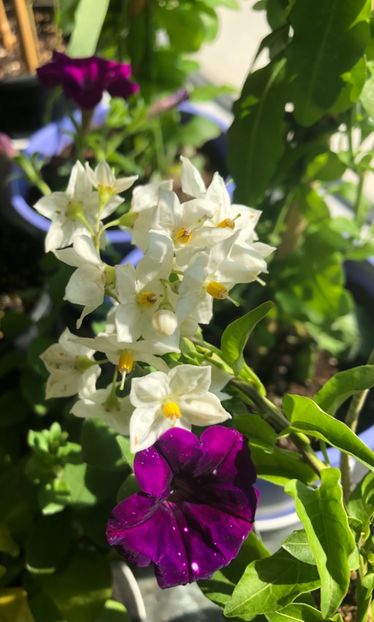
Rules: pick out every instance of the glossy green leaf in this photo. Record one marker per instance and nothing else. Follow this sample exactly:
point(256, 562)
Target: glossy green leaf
point(364, 597)
point(329, 38)
point(256, 137)
point(260, 433)
point(270, 584)
point(88, 24)
point(330, 539)
point(102, 447)
point(306, 416)
point(343, 385)
point(281, 465)
point(236, 335)
point(298, 612)
point(81, 587)
point(297, 545)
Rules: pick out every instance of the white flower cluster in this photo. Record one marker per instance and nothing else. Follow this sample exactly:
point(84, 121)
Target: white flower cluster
point(194, 252)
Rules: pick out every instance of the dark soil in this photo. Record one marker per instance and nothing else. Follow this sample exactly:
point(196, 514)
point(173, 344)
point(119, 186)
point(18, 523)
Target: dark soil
point(11, 61)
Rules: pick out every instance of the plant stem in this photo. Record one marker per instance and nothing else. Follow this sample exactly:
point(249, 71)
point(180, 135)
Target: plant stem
point(280, 422)
point(295, 224)
point(351, 420)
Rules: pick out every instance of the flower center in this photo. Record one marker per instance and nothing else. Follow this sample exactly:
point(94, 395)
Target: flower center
point(216, 290)
point(226, 223)
point(183, 235)
point(75, 210)
point(171, 410)
point(147, 299)
point(126, 362)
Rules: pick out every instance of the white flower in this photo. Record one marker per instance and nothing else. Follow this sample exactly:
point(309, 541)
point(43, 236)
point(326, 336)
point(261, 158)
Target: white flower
point(143, 204)
point(106, 405)
point(71, 366)
point(108, 186)
point(87, 284)
point(212, 275)
point(181, 222)
point(141, 290)
point(165, 322)
point(71, 212)
point(125, 353)
point(180, 398)
point(192, 182)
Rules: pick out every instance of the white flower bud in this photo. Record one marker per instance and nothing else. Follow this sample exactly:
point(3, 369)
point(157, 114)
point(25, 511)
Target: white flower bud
point(164, 321)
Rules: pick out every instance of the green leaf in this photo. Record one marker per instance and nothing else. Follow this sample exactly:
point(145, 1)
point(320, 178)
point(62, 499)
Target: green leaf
point(330, 538)
point(102, 447)
point(113, 612)
point(7, 543)
point(361, 502)
point(343, 385)
point(281, 465)
point(88, 24)
point(195, 133)
point(80, 588)
point(329, 39)
point(367, 94)
point(236, 335)
point(297, 612)
point(269, 584)
point(297, 545)
point(209, 92)
point(45, 547)
point(256, 137)
point(306, 416)
point(260, 433)
point(75, 480)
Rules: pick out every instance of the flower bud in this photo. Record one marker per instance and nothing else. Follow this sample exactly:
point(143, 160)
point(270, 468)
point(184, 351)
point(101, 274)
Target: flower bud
point(165, 322)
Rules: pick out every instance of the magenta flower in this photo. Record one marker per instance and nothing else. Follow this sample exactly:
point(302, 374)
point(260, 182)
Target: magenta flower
point(195, 508)
point(85, 79)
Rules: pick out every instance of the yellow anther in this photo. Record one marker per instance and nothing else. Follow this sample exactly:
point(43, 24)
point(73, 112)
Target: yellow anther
point(126, 362)
point(171, 410)
point(183, 235)
point(147, 299)
point(216, 290)
point(226, 223)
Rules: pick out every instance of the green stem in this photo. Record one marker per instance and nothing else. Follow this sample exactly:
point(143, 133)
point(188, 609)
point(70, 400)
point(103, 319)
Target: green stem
point(279, 421)
point(351, 420)
point(32, 174)
point(159, 146)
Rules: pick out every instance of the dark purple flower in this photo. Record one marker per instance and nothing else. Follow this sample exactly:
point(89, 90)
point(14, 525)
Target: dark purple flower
point(85, 79)
point(195, 508)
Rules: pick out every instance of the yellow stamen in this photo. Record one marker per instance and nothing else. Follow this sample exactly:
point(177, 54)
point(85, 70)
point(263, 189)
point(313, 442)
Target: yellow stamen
point(147, 299)
point(216, 290)
point(125, 365)
point(226, 223)
point(171, 410)
point(183, 235)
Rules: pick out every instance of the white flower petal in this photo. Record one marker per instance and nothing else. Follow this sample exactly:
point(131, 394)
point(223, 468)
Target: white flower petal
point(203, 410)
point(189, 379)
point(192, 182)
point(149, 390)
point(86, 286)
point(145, 428)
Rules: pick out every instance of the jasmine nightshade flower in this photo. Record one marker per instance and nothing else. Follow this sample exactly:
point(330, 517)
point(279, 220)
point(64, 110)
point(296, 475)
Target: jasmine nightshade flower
point(195, 507)
point(88, 283)
point(108, 187)
point(72, 212)
point(106, 405)
point(71, 366)
point(85, 79)
point(180, 398)
point(144, 201)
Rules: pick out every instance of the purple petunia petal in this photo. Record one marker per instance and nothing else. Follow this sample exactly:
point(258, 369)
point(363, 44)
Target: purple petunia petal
point(180, 448)
point(152, 472)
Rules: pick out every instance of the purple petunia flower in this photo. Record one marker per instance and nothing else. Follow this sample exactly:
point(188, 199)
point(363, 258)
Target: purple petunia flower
point(195, 508)
point(85, 79)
